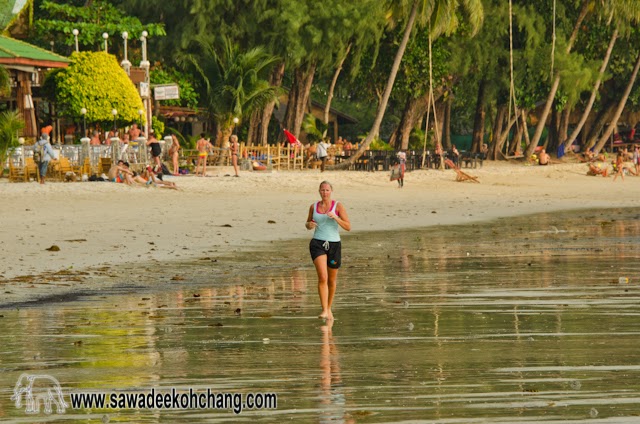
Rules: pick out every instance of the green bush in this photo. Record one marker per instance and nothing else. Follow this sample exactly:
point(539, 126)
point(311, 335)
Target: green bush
point(95, 81)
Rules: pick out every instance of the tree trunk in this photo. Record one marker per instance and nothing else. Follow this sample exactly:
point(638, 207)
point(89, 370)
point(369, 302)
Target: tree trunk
point(375, 128)
point(299, 98)
point(414, 110)
point(620, 108)
point(446, 124)
point(480, 115)
point(551, 145)
point(564, 125)
point(410, 115)
point(497, 132)
point(603, 117)
point(517, 140)
point(332, 88)
point(585, 114)
point(556, 83)
point(524, 113)
point(223, 135)
point(260, 119)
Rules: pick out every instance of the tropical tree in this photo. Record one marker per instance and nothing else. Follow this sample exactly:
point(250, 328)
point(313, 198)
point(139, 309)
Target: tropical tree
point(234, 82)
point(556, 81)
point(441, 14)
point(10, 123)
point(56, 20)
point(96, 82)
point(629, 11)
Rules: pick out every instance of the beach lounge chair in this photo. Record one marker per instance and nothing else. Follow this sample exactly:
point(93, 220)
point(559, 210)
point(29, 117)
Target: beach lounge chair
point(64, 167)
point(460, 176)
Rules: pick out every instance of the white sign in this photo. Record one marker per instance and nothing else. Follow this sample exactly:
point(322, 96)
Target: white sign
point(166, 92)
point(144, 90)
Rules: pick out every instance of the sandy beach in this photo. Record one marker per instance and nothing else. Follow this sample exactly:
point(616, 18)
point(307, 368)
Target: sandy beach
point(100, 223)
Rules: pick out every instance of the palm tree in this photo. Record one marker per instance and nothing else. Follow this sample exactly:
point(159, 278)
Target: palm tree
point(10, 123)
point(556, 82)
point(594, 92)
point(442, 16)
point(235, 82)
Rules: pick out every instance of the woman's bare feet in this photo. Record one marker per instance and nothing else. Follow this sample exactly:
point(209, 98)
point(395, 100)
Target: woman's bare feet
point(326, 315)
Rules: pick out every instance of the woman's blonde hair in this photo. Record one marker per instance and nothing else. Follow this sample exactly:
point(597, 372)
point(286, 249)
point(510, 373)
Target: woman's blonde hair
point(327, 183)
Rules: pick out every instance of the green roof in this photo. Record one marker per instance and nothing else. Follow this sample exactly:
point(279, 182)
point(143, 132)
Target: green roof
point(18, 52)
point(8, 10)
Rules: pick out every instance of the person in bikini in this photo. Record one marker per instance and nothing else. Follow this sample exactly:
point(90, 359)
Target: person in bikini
point(204, 147)
point(325, 218)
point(234, 153)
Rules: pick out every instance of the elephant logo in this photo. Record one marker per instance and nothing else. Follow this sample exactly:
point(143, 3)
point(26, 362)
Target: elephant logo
point(37, 388)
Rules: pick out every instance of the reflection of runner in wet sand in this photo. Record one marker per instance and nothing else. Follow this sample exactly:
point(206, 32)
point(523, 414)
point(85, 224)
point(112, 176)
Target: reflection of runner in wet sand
point(326, 216)
point(332, 397)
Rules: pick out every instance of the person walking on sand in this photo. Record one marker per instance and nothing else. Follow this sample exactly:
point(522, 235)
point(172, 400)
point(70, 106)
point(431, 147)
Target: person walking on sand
point(402, 162)
point(325, 217)
point(234, 153)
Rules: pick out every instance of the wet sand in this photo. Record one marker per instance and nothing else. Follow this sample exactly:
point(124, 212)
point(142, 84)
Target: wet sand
point(516, 320)
point(99, 227)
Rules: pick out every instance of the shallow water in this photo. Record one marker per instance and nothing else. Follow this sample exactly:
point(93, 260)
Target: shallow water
point(517, 320)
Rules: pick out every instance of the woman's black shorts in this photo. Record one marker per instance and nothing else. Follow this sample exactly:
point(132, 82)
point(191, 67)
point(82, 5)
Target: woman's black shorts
point(333, 252)
point(156, 150)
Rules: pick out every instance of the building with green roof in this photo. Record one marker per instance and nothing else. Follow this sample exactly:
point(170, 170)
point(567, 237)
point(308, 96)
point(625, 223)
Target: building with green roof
point(27, 64)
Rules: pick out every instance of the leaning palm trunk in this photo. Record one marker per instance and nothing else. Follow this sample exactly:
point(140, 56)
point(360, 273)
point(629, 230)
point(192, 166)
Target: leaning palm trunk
point(299, 97)
point(260, 119)
point(332, 87)
point(621, 105)
point(554, 86)
point(375, 128)
point(567, 144)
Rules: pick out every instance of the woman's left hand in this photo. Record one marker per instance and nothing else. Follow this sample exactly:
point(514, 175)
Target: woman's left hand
point(332, 215)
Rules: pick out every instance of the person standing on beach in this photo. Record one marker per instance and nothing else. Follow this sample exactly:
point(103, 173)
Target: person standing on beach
point(234, 153)
point(44, 156)
point(174, 154)
point(156, 151)
point(402, 162)
point(321, 153)
point(204, 147)
point(325, 217)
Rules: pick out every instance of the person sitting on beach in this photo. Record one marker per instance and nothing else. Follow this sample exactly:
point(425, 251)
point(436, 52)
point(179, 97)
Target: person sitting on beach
point(588, 156)
point(258, 166)
point(597, 169)
point(543, 158)
point(148, 177)
point(636, 158)
point(120, 173)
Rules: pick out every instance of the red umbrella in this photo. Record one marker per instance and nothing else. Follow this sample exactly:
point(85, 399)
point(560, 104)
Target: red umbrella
point(292, 138)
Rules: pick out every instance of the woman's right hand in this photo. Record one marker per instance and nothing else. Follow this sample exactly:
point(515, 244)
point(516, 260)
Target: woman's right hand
point(311, 225)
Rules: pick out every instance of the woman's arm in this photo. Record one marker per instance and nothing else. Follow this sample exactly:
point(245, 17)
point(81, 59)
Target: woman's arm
point(341, 217)
point(310, 224)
